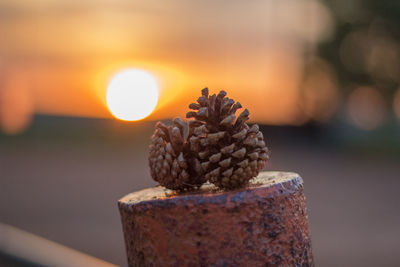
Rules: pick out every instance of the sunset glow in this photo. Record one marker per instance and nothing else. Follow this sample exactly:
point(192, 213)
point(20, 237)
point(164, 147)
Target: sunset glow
point(153, 72)
point(132, 94)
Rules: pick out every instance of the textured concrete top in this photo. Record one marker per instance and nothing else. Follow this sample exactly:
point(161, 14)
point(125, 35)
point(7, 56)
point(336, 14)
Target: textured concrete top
point(274, 181)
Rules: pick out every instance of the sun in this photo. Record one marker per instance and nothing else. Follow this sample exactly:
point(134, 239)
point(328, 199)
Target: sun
point(132, 94)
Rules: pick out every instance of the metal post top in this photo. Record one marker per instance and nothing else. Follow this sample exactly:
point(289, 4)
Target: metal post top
point(262, 224)
point(271, 183)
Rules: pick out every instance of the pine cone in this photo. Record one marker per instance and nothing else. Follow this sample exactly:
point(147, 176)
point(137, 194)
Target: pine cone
point(170, 162)
point(230, 152)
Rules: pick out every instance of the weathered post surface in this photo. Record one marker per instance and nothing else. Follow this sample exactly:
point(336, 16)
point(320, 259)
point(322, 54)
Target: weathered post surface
point(264, 224)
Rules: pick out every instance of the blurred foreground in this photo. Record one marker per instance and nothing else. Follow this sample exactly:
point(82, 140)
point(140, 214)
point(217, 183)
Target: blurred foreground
point(62, 179)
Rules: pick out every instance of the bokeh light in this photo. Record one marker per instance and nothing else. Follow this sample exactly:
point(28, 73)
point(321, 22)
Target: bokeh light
point(319, 91)
point(396, 103)
point(16, 105)
point(366, 107)
point(132, 94)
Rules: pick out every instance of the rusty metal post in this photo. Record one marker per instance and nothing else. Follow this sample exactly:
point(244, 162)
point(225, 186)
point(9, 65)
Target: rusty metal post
point(264, 224)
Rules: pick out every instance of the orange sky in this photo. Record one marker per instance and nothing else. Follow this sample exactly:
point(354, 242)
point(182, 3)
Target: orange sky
point(65, 52)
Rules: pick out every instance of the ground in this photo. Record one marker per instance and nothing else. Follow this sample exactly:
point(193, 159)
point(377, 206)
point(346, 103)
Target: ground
point(66, 190)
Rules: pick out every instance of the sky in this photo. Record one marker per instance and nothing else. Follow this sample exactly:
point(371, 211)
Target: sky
point(57, 57)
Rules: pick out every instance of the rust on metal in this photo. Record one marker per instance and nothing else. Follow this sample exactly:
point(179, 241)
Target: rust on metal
point(264, 224)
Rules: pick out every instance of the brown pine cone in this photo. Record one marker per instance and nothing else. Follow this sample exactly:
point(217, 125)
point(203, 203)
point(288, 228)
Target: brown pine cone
point(170, 162)
point(230, 152)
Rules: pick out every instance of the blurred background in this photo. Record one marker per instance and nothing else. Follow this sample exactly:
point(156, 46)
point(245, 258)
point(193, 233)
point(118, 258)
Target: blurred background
point(82, 84)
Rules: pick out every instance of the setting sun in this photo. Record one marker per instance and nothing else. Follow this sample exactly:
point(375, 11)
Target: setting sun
point(132, 94)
